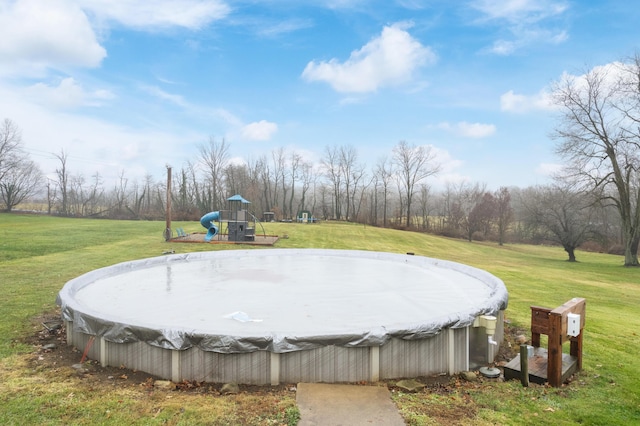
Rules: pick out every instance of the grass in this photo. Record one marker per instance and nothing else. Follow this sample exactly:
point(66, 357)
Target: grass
point(38, 254)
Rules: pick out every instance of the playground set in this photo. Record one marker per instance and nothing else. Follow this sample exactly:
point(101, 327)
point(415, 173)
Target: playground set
point(236, 224)
point(241, 224)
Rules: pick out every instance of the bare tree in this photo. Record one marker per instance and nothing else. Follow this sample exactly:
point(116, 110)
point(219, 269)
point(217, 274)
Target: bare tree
point(448, 222)
point(467, 197)
point(95, 199)
point(599, 137)
point(83, 199)
point(294, 173)
point(147, 205)
point(361, 183)
point(183, 198)
point(353, 178)
point(384, 175)
point(199, 194)
point(278, 160)
point(263, 173)
point(414, 165)
point(19, 183)
point(10, 147)
point(504, 212)
point(482, 215)
point(562, 213)
point(51, 196)
point(256, 190)
point(424, 205)
point(331, 166)
point(308, 178)
point(237, 179)
point(608, 225)
point(214, 157)
point(19, 176)
point(351, 173)
point(326, 205)
point(63, 181)
point(120, 193)
point(77, 195)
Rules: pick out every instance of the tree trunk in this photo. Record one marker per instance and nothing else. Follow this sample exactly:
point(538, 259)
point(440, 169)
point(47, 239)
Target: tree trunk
point(631, 251)
point(571, 252)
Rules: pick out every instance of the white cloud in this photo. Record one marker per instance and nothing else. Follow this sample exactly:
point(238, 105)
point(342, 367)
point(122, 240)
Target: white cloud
point(503, 47)
point(192, 109)
point(226, 116)
point(519, 11)
point(40, 35)
point(389, 59)
point(283, 27)
point(449, 168)
point(67, 94)
point(94, 144)
point(476, 130)
point(148, 15)
point(512, 102)
point(469, 130)
point(523, 38)
point(447, 163)
point(529, 22)
point(259, 131)
point(167, 81)
point(161, 94)
point(560, 37)
point(610, 74)
point(37, 35)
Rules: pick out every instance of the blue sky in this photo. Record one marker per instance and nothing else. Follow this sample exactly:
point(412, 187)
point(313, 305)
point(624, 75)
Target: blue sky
point(127, 86)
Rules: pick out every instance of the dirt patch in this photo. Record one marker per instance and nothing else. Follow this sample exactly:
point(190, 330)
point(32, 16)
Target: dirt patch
point(510, 346)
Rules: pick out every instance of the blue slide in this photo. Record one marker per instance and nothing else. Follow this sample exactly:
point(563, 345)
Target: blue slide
point(207, 221)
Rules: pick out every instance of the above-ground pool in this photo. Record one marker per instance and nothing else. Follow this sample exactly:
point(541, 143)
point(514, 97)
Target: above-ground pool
point(286, 315)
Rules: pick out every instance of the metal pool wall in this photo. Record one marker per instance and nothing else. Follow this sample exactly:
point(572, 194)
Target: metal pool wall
point(448, 353)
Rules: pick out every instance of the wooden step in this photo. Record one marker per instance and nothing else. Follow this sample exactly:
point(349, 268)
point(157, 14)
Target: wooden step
point(538, 365)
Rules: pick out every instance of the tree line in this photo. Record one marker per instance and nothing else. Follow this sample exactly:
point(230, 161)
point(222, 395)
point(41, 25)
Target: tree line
point(595, 198)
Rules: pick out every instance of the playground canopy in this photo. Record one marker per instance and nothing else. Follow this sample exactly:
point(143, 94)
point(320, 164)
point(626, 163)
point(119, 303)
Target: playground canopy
point(238, 197)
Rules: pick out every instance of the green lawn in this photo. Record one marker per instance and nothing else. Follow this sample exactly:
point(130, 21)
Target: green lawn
point(38, 254)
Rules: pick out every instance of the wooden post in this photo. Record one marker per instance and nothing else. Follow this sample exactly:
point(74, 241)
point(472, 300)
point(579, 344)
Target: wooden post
point(554, 363)
point(576, 348)
point(524, 365)
point(558, 335)
point(167, 235)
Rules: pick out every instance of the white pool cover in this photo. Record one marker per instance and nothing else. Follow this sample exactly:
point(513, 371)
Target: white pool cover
point(279, 300)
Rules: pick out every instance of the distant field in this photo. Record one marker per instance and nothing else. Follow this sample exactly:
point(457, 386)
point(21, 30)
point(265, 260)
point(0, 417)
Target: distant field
point(38, 254)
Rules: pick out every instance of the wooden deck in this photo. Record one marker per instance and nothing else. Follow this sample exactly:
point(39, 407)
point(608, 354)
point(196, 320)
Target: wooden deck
point(538, 365)
point(258, 240)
